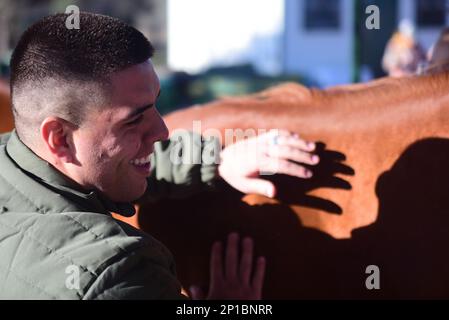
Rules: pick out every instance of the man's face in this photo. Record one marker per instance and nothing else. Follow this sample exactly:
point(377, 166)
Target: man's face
point(114, 144)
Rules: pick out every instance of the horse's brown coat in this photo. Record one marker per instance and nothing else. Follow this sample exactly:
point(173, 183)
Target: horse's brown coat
point(6, 119)
point(380, 195)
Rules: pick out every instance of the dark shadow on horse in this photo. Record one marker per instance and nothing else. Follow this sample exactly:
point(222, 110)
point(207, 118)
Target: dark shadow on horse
point(408, 241)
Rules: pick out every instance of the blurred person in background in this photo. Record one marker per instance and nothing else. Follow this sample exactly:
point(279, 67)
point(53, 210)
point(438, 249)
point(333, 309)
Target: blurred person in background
point(403, 55)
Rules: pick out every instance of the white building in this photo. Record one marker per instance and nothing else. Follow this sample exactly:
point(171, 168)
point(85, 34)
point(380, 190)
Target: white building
point(203, 33)
point(324, 39)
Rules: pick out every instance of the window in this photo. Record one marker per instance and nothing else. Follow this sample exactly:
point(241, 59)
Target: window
point(431, 13)
point(322, 14)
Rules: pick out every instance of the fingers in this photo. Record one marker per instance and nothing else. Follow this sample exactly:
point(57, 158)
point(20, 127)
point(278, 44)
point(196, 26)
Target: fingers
point(232, 256)
point(258, 186)
point(233, 263)
point(246, 264)
point(283, 145)
point(280, 166)
point(216, 265)
point(241, 279)
point(259, 276)
point(288, 152)
point(293, 140)
point(277, 151)
point(283, 137)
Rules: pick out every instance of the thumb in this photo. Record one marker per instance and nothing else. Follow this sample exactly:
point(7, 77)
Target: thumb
point(259, 186)
point(196, 293)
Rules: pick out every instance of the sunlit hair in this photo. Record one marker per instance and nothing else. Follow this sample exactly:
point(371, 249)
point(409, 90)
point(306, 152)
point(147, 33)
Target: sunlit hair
point(61, 72)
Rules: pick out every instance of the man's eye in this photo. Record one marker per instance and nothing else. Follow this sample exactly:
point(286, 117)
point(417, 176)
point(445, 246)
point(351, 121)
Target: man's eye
point(136, 121)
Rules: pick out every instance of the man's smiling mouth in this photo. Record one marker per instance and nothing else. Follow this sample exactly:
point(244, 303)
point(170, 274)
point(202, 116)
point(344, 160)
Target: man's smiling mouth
point(141, 161)
point(142, 165)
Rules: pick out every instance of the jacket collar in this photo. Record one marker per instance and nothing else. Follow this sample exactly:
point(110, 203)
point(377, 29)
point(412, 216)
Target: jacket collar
point(44, 173)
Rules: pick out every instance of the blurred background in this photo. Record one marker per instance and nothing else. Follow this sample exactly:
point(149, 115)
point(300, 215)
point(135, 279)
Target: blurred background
point(206, 49)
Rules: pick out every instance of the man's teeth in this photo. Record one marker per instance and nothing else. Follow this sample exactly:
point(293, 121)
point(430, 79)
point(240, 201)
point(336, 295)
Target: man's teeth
point(141, 161)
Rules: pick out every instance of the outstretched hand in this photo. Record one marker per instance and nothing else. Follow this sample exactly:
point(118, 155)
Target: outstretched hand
point(235, 278)
point(277, 151)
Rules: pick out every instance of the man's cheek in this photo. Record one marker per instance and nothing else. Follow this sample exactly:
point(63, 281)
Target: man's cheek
point(132, 141)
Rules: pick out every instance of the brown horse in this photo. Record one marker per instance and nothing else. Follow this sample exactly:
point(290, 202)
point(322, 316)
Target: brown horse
point(6, 119)
point(380, 195)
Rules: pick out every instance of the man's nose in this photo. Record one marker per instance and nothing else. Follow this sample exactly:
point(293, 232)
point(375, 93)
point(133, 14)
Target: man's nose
point(164, 131)
point(160, 130)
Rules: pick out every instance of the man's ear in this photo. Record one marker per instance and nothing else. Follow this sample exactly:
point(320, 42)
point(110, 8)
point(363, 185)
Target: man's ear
point(56, 133)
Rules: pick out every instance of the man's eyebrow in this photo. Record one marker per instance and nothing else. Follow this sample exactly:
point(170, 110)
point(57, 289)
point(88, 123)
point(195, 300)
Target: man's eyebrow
point(140, 110)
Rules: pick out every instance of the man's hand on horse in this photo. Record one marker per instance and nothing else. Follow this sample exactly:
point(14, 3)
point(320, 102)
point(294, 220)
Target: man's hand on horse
point(237, 278)
point(275, 152)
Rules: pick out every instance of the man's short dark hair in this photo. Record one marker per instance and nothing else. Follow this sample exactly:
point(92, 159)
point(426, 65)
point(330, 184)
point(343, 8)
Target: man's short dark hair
point(50, 56)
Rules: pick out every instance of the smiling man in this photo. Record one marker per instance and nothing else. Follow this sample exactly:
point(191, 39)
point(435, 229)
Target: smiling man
point(89, 141)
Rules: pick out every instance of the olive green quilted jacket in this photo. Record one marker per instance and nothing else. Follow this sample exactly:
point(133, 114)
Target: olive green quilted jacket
point(60, 242)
